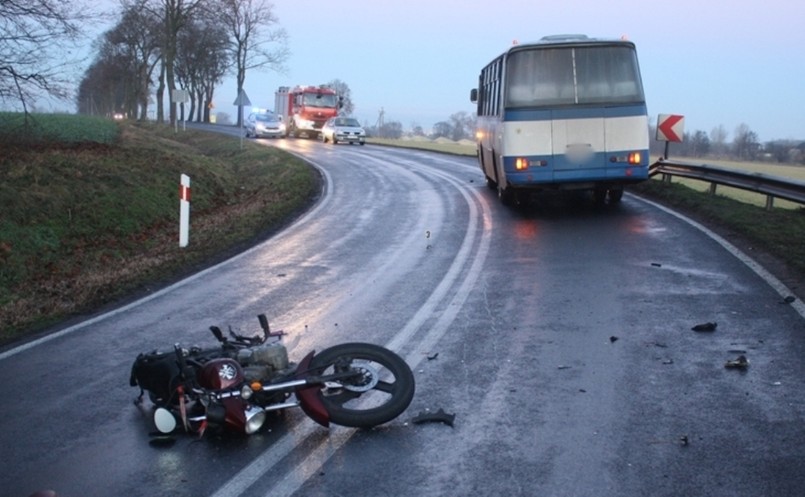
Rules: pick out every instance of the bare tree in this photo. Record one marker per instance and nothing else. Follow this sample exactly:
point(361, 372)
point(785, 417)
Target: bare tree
point(343, 91)
point(746, 143)
point(174, 16)
point(256, 40)
point(699, 144)
point(201, 63)
point(718, 139)
point(36, 37)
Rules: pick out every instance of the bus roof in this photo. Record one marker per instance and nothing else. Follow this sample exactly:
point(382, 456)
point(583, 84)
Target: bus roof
point(571, 39)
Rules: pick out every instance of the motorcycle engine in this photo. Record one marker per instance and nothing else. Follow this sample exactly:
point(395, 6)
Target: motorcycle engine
point(264, 360)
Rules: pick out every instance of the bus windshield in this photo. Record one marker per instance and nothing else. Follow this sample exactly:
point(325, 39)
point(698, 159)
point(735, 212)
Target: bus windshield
point(555, 76)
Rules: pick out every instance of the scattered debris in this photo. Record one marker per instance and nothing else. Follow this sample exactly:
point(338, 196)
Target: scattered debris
point(656, 264)
point(684, 441)
point(613, 339)
point(657, 344)
point(736, 351)
point(668, 361)
point(433, 356)
point(434, 417)
point(788, 300)
point(740, 363)
point(705, 327)
point(562, 367)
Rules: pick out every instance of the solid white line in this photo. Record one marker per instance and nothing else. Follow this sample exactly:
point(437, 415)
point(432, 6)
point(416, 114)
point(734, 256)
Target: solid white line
point(769, 278)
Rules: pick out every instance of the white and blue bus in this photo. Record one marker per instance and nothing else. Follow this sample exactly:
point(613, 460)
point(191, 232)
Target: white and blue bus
point(566, 112)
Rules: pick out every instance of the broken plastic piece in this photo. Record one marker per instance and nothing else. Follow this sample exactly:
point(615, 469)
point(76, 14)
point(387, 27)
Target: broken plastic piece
point(740, 363)
point(434, 417)
point(705, 327)
point(788, 300)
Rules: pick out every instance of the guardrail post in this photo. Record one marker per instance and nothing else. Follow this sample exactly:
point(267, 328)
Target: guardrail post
point(713, 189)
point(769, 202)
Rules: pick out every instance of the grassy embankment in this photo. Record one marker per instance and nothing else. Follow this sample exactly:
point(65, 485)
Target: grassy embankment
point(89, 210)
point(736, 214)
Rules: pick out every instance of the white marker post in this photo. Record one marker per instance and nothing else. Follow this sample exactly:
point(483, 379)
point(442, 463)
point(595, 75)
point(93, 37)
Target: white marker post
point(184, 210)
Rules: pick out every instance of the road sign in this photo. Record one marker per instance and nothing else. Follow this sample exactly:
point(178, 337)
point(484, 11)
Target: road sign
point(670, 127)
point(242, 100)
point(180, 96)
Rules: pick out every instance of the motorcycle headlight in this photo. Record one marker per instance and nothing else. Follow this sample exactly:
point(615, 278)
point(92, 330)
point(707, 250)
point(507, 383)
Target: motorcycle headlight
point(255, 417)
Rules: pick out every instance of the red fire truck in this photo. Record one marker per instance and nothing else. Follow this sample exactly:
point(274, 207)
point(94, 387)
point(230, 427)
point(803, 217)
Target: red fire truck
point(304, 109)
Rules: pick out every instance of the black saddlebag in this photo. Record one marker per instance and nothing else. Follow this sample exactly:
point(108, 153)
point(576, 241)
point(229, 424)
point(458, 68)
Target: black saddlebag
point(156, 373)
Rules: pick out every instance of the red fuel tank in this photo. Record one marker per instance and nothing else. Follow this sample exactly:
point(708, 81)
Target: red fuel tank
point(220, 374)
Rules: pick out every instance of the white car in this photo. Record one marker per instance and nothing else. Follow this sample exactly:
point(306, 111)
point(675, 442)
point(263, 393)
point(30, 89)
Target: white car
point(343, 129)
point(264, 124)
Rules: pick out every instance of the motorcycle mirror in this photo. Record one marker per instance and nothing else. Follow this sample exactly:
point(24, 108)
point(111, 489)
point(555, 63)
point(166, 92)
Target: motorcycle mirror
point(219, 335)
point(264, 323)
point(165, 421)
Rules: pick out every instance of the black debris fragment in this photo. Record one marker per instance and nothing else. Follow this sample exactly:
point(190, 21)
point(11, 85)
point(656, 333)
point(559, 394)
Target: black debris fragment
point(613, 339)
point(434, 417)
point(705, 327)
point(160, 440)
point(740, 363)
point(656, 264)
point(684, 441)
point(788, 300)
point(433, 356)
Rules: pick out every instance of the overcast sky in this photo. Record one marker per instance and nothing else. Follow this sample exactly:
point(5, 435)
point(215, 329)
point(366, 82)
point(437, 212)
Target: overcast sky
point(716, 63)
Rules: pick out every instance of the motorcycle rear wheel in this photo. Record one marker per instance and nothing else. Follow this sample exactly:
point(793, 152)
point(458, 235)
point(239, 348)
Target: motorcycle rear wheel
point(382, 392)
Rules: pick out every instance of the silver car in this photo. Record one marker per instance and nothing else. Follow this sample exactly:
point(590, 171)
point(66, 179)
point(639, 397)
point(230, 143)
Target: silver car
point(264, 124)
point(343, 129)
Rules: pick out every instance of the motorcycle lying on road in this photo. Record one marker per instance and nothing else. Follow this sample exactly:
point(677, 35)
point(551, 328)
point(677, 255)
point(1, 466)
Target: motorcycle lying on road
point(232, 387)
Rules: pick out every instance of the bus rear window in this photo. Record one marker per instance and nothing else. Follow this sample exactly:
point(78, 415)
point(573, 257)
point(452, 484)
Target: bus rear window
point(556, 76)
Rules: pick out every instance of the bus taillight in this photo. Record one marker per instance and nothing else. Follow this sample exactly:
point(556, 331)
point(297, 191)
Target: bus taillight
point(634, 158)
point(520, 164)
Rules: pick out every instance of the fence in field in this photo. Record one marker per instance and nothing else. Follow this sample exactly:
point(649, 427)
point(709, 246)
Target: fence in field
point(771, 186)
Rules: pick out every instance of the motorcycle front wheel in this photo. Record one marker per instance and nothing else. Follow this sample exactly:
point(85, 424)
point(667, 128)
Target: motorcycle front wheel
point(379, 391)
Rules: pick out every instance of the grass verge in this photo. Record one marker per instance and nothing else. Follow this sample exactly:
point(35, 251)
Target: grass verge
point(86, 220)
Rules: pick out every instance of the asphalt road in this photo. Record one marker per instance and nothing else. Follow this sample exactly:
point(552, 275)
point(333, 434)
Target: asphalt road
point(559, 335)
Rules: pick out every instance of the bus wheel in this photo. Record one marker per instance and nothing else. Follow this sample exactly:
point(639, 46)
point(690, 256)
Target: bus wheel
point(492, 184)
point(615, 195)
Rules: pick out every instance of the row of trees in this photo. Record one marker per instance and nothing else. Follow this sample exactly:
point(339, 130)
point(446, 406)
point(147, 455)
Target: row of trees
point(158, 46)
point(744, 146)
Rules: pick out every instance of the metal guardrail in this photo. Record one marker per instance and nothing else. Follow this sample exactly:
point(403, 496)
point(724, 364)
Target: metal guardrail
point(769, 185)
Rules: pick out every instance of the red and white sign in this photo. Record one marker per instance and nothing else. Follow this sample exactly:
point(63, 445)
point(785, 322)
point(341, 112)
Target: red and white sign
point(670, 127)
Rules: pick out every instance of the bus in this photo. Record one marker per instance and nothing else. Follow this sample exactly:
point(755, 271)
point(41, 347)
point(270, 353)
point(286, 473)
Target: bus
point(566, 112)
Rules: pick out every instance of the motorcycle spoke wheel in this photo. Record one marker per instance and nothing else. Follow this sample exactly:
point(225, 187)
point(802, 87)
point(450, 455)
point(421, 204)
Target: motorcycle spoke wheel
point(381, 389)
